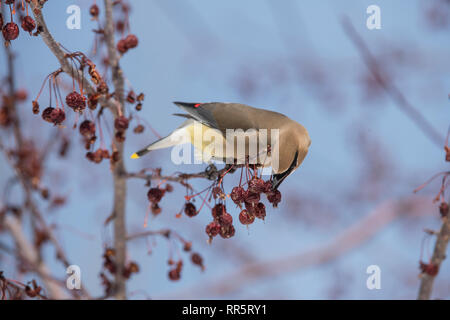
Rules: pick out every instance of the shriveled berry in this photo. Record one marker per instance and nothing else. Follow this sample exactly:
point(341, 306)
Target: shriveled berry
point(121, 123)
point(131, 97)
point(174, 275)
point(87, 129)
point(138, 107)
point(260, 211)
point(131, 41)
point(94, 11)
point(155, 195)
point(218, 210)
point(256, 185)
point(246, 218)
point(169, 187)
point(139, 129)
point(274, 197)
point(237, 195)
point(122, 46)
point(28, 24)
point(190, 210)
point(268, 186)
point(10, 31)
point(120, 136)
point(212, 229)
point(58, 116)
point(225, 219)
point(76, 101)
point(47, 114)
point(216, 192)
point(252, 198)
point(35, 107)
point(197, 260)
point(93, 101)
point(227, 231)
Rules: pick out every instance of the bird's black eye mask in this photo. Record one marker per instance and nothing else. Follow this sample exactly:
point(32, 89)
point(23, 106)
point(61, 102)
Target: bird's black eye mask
point(278, 178)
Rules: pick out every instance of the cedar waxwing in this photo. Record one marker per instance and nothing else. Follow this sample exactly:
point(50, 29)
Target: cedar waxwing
point(284, 151)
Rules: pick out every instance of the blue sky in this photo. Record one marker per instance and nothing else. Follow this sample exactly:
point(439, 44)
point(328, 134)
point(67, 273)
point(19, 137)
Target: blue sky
point(200, 50)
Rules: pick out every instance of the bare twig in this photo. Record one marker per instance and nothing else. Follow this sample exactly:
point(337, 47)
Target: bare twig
point(29, 254)
point(439, 254)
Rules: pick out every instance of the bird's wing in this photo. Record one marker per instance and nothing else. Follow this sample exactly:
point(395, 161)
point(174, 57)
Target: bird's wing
point(199, 113)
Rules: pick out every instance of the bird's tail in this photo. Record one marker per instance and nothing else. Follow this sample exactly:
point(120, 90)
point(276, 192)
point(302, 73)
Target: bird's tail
point(177, 137)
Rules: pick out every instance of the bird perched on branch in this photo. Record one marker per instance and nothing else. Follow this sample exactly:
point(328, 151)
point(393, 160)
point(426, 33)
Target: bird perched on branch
point(237, 133)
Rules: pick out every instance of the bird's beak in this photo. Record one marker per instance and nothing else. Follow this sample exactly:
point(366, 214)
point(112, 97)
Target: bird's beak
point(278, 179)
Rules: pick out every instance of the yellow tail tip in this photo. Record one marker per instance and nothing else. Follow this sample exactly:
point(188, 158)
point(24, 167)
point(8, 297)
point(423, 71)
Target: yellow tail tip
point(134, 156)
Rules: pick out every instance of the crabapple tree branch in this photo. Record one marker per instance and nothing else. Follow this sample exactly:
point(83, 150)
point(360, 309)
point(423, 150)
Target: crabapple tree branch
point(439, 254)
point(29, 254)
point(120, 187)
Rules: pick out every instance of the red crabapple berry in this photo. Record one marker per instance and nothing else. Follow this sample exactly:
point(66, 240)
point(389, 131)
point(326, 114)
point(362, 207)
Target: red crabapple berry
point(121, 123)
point(131, 97)
point(256, 185)
point(268, 186)
point(131, 41)
point(122, 46)
point(87, 129)
point(252, 198)
point(174, 274)
point(226, 219)
point(260, 211)
point(197, 260)
point(212, 229)
point(76, 101)
point(94, 11)
point(58, 116)
point(274, 197)
point(155, 195)
point(10, 31)
point(237, 195)
point(246, 218)
point(227, 231)
point(139, 129)
point(28, 24)
point(190, 210)
point(35, 107)
point(218, 210)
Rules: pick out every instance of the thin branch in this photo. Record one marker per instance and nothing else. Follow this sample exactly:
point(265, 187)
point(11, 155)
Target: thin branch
point(439, 254)
point(29, 254)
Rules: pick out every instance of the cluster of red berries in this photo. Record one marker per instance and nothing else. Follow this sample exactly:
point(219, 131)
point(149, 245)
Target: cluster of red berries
point(155, 195)
point(53, 115)
point(10, 30)
point(136, 99)
point(249, 200)
point(127, 43)
point(176, 267)
point(87, 130)
point(121, 125)
point(98, 155)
